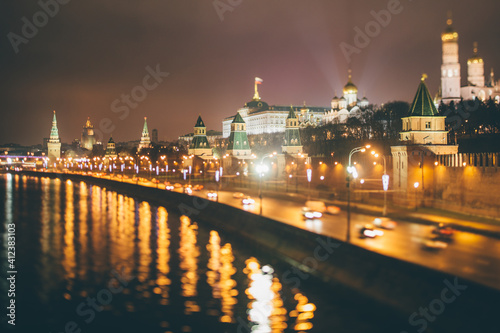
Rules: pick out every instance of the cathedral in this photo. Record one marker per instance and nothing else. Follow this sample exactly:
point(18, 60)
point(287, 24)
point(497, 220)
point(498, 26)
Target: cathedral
point(477, 86)
point(346, 106)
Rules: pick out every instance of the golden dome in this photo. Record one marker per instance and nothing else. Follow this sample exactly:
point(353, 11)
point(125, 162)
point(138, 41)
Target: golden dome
point(350, 88)
point(449, 34)
point(475, 59)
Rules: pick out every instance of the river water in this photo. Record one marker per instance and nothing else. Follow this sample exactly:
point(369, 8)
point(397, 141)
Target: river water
point(92, 260)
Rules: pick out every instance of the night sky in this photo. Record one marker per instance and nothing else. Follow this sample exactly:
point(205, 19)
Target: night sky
point(91, 52)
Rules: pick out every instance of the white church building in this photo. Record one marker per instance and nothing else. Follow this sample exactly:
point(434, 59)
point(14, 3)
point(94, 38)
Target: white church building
point(477, 86)
point(346, 106)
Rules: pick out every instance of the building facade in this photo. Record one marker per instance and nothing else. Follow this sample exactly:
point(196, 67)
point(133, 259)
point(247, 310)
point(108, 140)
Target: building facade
point(477, 86)
point(424, 138)
point(200, 146)
point(111, 148)
point(347, 105)
point(261, 118)
point(291, 142)
point(238, 145)
point(145, 142)
point(54, 143)
point(88, 136)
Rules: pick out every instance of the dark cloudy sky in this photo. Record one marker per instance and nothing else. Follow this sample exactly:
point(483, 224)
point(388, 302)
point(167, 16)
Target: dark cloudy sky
point(91, 52)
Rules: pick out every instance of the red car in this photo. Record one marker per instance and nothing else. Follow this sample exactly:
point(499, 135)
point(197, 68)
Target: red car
point(443, 230)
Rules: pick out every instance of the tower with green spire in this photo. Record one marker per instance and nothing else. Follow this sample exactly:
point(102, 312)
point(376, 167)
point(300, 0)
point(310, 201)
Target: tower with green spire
point(145, 138)
point(54, 144)
point(424, 137)
point(111, 148)
point(291, 142)
point(238, 145)
point(200, 145)
point(424, 125)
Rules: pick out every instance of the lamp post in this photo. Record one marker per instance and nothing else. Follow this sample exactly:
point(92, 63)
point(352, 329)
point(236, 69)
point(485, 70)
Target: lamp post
point(218, 183)
point(309, 178)
point(416, 184)
point(351, 170)
point(261, 169)
point(385, 182)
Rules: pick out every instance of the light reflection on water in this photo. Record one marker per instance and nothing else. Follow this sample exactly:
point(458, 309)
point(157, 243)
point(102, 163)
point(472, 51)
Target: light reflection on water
point(86, 233)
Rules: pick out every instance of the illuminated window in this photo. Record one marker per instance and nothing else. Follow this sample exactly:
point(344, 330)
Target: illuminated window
point(427, 125)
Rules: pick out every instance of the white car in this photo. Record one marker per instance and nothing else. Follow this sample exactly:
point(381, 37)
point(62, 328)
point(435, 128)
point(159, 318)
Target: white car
point(434, 244)
point(247, 201)
point(384, 223)
point(369, 231)
point(212, 195)
point(310, 214)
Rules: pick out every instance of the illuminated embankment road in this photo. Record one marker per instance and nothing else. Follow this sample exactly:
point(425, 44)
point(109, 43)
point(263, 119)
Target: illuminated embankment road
point(469, 255)
point(472, 256)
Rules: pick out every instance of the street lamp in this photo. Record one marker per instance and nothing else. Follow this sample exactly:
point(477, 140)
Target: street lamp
point(351, 170)
point(262, 169)
point(385, 182)
point(416, 184)
point(309, 178)
point(218, 183)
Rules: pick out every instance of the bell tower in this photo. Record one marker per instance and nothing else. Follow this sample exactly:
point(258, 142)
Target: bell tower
point(450, 69)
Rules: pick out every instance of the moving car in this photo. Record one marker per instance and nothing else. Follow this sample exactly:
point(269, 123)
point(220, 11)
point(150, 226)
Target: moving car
point(332, 210)
point(169, 187)
point(384, 223)
point(212, 195)
point(247, 201)
point(188, 190)
point(318, 206)
point(310, 214)
point(197, 187)
point(443, 231)
point(238, 195)
point(369, 231)
point(434, 244)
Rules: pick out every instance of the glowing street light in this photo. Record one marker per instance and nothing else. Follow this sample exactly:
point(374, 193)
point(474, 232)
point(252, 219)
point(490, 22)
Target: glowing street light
point(351, 170)
point(416, 185)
